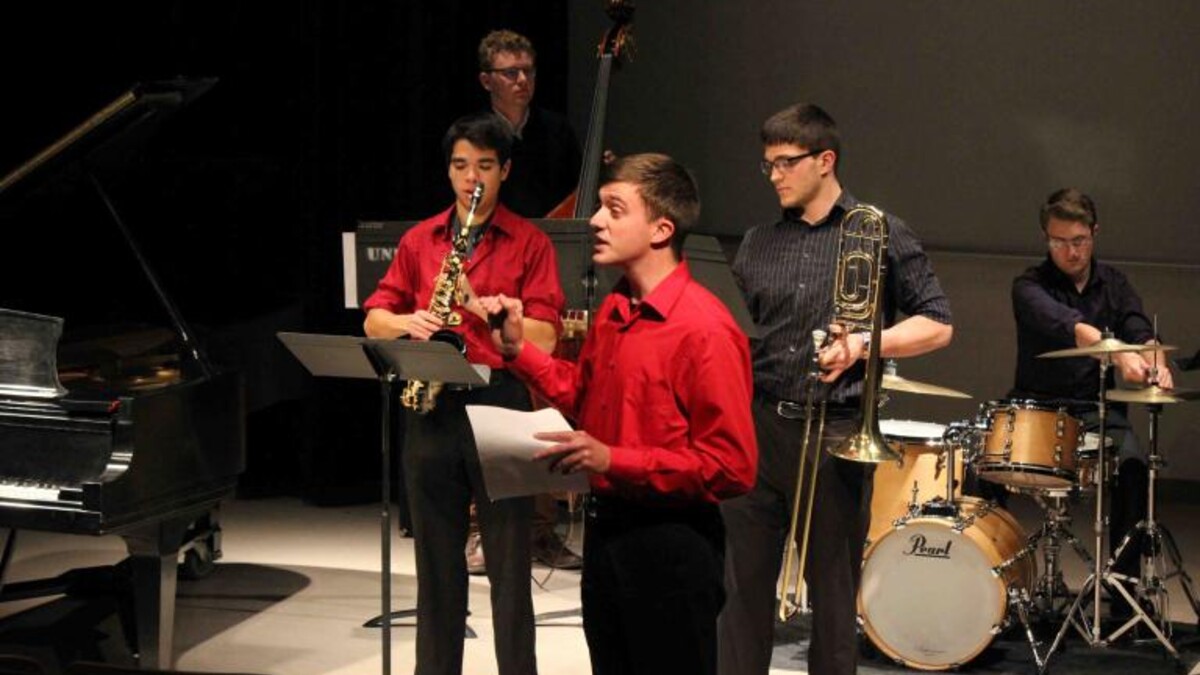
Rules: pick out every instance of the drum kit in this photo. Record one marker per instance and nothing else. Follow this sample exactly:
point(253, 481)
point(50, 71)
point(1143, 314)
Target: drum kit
point(944, 573)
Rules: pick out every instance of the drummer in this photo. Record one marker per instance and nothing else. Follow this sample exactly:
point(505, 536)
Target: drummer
point(1067, 301)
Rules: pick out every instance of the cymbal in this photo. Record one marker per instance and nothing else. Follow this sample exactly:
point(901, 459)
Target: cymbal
point(1152, 395)
point(1105, 346)
point(897, 383)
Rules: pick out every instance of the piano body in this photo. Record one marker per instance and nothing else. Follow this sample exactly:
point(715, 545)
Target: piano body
point(134, 434)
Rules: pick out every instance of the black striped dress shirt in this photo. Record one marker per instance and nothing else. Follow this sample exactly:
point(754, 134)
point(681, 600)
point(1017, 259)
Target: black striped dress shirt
point(786, 273)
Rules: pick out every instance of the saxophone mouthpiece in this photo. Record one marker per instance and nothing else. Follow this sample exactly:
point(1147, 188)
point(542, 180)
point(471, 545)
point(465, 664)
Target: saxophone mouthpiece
point(478, 193)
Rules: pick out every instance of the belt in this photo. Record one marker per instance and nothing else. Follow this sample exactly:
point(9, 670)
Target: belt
point(794, 410)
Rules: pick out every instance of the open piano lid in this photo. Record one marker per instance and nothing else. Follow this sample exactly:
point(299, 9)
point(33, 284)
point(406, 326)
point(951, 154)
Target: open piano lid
point(110, 134)
point(100, 147)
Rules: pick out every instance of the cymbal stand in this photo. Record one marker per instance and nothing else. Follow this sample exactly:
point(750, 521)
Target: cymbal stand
point(1076, 616)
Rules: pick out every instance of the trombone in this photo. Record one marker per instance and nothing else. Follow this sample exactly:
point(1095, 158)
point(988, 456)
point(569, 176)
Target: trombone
point(857, 307)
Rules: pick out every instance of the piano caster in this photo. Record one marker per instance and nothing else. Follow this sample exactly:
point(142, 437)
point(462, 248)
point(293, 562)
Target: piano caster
point(201, 547)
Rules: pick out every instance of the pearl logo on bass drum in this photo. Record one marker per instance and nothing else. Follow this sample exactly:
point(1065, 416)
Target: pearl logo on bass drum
point(920, 547)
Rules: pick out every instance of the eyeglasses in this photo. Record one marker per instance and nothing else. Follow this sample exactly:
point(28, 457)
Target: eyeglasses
point(1078, 243)
point(784, 164)
point(511, 74)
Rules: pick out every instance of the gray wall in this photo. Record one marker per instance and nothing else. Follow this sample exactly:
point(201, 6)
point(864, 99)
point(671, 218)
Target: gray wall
point(958, 117)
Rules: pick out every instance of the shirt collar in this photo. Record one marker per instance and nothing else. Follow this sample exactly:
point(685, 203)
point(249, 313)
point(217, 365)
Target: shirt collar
point(661, 301)
point(844, 203)
point(516, 129)
point(1059, 278)
point(502, 221)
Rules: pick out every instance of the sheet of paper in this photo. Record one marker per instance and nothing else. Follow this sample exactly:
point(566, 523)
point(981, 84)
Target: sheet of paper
point(506, 446)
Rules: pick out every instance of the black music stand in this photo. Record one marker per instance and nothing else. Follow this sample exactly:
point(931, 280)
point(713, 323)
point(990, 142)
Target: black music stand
point(386, 361)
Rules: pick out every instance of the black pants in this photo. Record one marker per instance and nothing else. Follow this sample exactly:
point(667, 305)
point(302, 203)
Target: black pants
point(651, 587)
point(442, 473)
point(757, 526)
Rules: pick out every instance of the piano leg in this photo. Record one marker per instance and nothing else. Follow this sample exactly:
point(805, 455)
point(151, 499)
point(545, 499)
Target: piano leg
point(153, 556)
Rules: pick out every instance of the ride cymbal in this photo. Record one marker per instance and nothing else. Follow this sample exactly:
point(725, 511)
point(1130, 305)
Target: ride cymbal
point(897, 383)
point(1105, 346)
point(1153, 395)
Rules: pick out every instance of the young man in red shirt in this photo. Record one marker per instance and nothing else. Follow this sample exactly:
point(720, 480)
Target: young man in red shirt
point(661, 399)
point(505, 254)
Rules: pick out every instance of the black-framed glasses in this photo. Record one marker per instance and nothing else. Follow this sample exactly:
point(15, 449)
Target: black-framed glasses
point(784, 164)
point(511, 74)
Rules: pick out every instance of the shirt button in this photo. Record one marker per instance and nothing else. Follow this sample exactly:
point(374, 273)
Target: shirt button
point(801, 286)
point(792, 349)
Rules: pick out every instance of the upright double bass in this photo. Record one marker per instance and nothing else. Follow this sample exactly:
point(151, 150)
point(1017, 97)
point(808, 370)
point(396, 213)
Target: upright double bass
point(616, 44)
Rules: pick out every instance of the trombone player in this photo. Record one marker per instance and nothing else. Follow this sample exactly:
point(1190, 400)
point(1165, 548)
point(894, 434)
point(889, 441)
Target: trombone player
point(786, 273)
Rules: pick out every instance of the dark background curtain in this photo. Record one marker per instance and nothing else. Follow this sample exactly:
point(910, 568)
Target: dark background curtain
point(325, 113)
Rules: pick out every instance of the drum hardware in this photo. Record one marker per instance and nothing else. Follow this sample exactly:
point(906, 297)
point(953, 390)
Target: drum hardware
point(1157, 542)
point(1055, 528)
point(1104, 576)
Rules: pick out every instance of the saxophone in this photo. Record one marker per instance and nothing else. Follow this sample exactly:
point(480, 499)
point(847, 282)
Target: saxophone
point(419, 396)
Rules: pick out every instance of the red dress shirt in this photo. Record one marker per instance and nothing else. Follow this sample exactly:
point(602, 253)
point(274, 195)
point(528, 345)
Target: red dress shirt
point(514, 258)
point(666, 384)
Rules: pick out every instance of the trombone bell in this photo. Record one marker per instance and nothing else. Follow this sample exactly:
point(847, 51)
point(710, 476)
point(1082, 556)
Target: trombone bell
point(869, 446)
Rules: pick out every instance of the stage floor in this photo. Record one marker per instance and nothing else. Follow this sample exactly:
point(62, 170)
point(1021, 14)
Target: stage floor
point(298, 581)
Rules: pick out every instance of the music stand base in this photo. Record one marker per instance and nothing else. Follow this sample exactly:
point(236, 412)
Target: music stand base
point(378, 622)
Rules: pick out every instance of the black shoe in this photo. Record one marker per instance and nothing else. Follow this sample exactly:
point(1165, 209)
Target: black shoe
point(550, 550)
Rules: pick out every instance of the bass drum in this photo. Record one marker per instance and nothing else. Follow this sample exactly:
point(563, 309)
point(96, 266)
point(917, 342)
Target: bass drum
point(930, 597)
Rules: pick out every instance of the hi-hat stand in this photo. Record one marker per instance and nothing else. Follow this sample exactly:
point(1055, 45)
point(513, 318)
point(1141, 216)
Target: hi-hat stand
point(1149, 584)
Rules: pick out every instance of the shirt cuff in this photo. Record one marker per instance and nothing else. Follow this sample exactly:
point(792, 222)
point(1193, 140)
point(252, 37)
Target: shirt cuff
point(625, 465)
point(528, 360)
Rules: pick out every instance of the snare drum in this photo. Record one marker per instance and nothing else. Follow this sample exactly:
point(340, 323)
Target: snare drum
point(1088, 458)
point(933, 597)
point(924, 467)
point(1028, 445)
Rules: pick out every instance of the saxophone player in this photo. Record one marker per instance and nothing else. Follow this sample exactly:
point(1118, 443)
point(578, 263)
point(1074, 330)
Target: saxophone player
point(786, 274)
point(504, 253)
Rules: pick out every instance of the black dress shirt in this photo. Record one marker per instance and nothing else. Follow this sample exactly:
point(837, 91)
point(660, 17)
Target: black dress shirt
point(1047, 306)
point(786, 273)
point(545, 165)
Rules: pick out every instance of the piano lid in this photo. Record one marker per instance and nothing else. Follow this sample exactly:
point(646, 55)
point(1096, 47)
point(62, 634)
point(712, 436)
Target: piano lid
point(109, 135)
point(28, 348)
point(87, 157)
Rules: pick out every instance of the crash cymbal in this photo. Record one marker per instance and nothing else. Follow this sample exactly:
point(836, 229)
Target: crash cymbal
point(1152, 395)
point(1105, 346)
point(897, 383)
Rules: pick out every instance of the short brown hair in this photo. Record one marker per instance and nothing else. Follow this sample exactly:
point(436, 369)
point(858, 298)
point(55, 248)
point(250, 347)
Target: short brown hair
point(502, 41)
point(1071, 205)
point(667, 187)
point(804, 125)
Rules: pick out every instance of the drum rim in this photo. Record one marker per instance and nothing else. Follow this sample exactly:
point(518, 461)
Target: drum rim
point(1025, 404)
point(1069, 478)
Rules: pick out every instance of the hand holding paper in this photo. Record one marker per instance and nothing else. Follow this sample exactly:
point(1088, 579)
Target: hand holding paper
point(574, 451)
point(510, 455)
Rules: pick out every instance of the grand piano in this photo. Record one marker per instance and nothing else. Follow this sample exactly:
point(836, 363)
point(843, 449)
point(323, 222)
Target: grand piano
point(122, 428)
